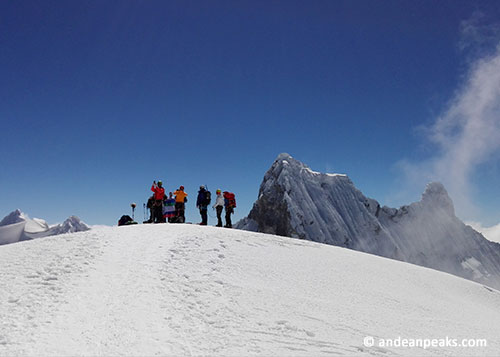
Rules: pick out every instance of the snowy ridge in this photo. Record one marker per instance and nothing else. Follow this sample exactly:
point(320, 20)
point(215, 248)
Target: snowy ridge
point(17, 226)
point(191, 290)
point(297, 202)
point(12, 233)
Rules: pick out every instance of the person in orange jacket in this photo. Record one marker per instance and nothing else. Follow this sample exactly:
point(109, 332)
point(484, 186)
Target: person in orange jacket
point(180, 200)
point(159, 195)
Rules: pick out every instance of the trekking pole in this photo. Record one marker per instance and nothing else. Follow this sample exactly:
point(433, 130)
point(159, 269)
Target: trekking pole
point(144, 210)
point(133, 205)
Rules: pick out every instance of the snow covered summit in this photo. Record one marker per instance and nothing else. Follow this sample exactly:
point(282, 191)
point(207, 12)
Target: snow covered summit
point(18, 226)
point(186, 290)
point(297, 202)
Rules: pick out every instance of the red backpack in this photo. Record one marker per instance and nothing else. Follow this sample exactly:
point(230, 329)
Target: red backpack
point(229, 198)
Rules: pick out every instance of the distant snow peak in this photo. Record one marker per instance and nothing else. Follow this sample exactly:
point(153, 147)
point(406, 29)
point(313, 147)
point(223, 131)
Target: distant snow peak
point(17, 226)
point(71, 225)
point(13, 217)
point(298, 202)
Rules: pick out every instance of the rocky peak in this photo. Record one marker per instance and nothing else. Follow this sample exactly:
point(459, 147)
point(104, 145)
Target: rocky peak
point(284, 156)
point(13, 217)
point(436, 196)
point(296, 201)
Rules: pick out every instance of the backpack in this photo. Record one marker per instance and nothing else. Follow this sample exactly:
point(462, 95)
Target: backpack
point(230, 199)
point(125, 220)
point(208, 197)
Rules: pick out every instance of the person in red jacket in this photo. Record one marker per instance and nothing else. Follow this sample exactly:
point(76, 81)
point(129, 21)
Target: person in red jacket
point(159, 195)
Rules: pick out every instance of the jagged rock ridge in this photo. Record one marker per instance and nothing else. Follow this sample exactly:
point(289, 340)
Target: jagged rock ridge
point(297, 202)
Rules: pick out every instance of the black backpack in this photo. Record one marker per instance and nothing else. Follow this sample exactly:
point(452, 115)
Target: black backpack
point(125, 220)
point(208, 197)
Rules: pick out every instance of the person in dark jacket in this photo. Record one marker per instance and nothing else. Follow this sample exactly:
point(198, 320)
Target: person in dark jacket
point(150, 206)
point(202, 205)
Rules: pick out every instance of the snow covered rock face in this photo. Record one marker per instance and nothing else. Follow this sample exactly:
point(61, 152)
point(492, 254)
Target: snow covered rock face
point(297, 202)
point(14, 217)
point(17, 226)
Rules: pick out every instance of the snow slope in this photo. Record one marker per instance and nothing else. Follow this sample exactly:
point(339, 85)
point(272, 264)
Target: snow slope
point(191, 290)
point(295, 201)
point(11, 233)
point(17, 226)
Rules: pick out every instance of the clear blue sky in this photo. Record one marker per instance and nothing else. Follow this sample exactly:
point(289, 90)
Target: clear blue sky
point(100, 98)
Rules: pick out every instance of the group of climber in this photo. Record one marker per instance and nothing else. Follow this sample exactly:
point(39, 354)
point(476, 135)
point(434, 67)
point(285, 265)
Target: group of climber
point(171, 208)
point(163, 207)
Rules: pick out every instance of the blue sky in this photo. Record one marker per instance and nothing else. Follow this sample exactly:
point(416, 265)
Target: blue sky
point(100, 98)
